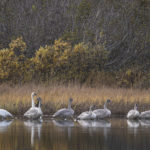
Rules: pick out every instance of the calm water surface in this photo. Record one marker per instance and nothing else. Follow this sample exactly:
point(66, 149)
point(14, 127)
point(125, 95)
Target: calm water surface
point(114, 134)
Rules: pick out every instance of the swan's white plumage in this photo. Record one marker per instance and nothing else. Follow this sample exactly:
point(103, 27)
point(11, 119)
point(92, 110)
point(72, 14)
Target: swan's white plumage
point(65, 112)
point(134, 113)
point(87, 115)
point(145, 115)
point(34, 112)
point(103, 113)
point(4, 113)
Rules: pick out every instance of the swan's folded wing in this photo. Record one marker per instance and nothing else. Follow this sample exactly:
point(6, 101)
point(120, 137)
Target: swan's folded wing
point(84, 115)
point(63, 113)
point(31, 112)
point(5, 113)
point(102, 113)
point(145, 114)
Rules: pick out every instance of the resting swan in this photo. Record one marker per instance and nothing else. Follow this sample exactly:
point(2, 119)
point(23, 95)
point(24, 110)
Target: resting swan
point(65, 112)
point(103, 113)
point(5, 114)
point(134, 113)
point(145, 115)
point(87, 115)
point(34, 112)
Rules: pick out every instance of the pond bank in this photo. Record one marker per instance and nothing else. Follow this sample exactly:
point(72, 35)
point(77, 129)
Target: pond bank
point(17, 99)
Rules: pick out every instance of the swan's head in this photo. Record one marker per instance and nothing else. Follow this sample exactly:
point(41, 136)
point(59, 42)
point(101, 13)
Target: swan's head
point(135, 106)
point(92, 107)
point(70, 100)
point(33, 94)
point(39, 99)
point(108, 101)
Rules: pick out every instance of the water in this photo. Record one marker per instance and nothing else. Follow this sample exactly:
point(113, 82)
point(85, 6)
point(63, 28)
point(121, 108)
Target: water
point(114, 134)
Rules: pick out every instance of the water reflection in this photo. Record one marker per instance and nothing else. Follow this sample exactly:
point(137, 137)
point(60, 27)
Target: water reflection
point(63, 123)
point(133, 123)
point(4, 125)
point(93, 126)
point(95, 123)
point(34, 127)
point(115, 134)
point(133, 126)
point(145, 123)
point(65, 126)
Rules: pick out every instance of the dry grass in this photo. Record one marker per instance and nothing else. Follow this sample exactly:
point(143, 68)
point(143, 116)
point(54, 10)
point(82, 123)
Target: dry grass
point(17, 99)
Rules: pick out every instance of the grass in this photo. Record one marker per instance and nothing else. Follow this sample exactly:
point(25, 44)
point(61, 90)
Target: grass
point(17, 99)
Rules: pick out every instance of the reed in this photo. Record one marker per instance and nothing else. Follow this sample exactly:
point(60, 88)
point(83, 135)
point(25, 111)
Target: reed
point(17, 99)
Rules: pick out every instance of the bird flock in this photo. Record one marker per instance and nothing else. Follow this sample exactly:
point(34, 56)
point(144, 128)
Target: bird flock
point(35, 112)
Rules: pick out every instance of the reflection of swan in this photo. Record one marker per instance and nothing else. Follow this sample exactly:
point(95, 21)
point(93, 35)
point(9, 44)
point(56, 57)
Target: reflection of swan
point(63, 123)
point(133, 126)
point(102, 124)
point(145, 123)
point(95, 123)
point(34, 126)
point(65, 112)
point(4, 114)
point(96, 126)
point(133, 123)
point(134, 113)
point(34, 112)
point(4, 125)
point(87, 114)
point(103, 113)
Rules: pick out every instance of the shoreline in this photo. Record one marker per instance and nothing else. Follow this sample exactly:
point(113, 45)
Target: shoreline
point(17, 99)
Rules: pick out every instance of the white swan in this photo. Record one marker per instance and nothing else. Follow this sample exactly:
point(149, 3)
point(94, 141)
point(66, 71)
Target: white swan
point(145, 115)
point(87, 115)
point(5, 114)
point(34, 112)
point(65, 112)
point(134, 113)
point(103, 113)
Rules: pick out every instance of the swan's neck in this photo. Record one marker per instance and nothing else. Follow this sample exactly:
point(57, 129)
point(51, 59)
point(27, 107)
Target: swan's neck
point(105, 105)
point(39, 104)
point(90, 110)
point(135, 107)
point(69, 105)
point(32, 97)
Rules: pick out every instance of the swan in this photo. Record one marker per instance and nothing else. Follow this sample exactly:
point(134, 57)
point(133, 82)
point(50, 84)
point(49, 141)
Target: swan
point(134, 113)
point(145, 115)
point(87, 115)
point(103, 113)
point(65, 112)
point(34, 112)
point(5, 114)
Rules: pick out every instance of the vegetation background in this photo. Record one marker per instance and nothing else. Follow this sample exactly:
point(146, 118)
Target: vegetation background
point(86, 43)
